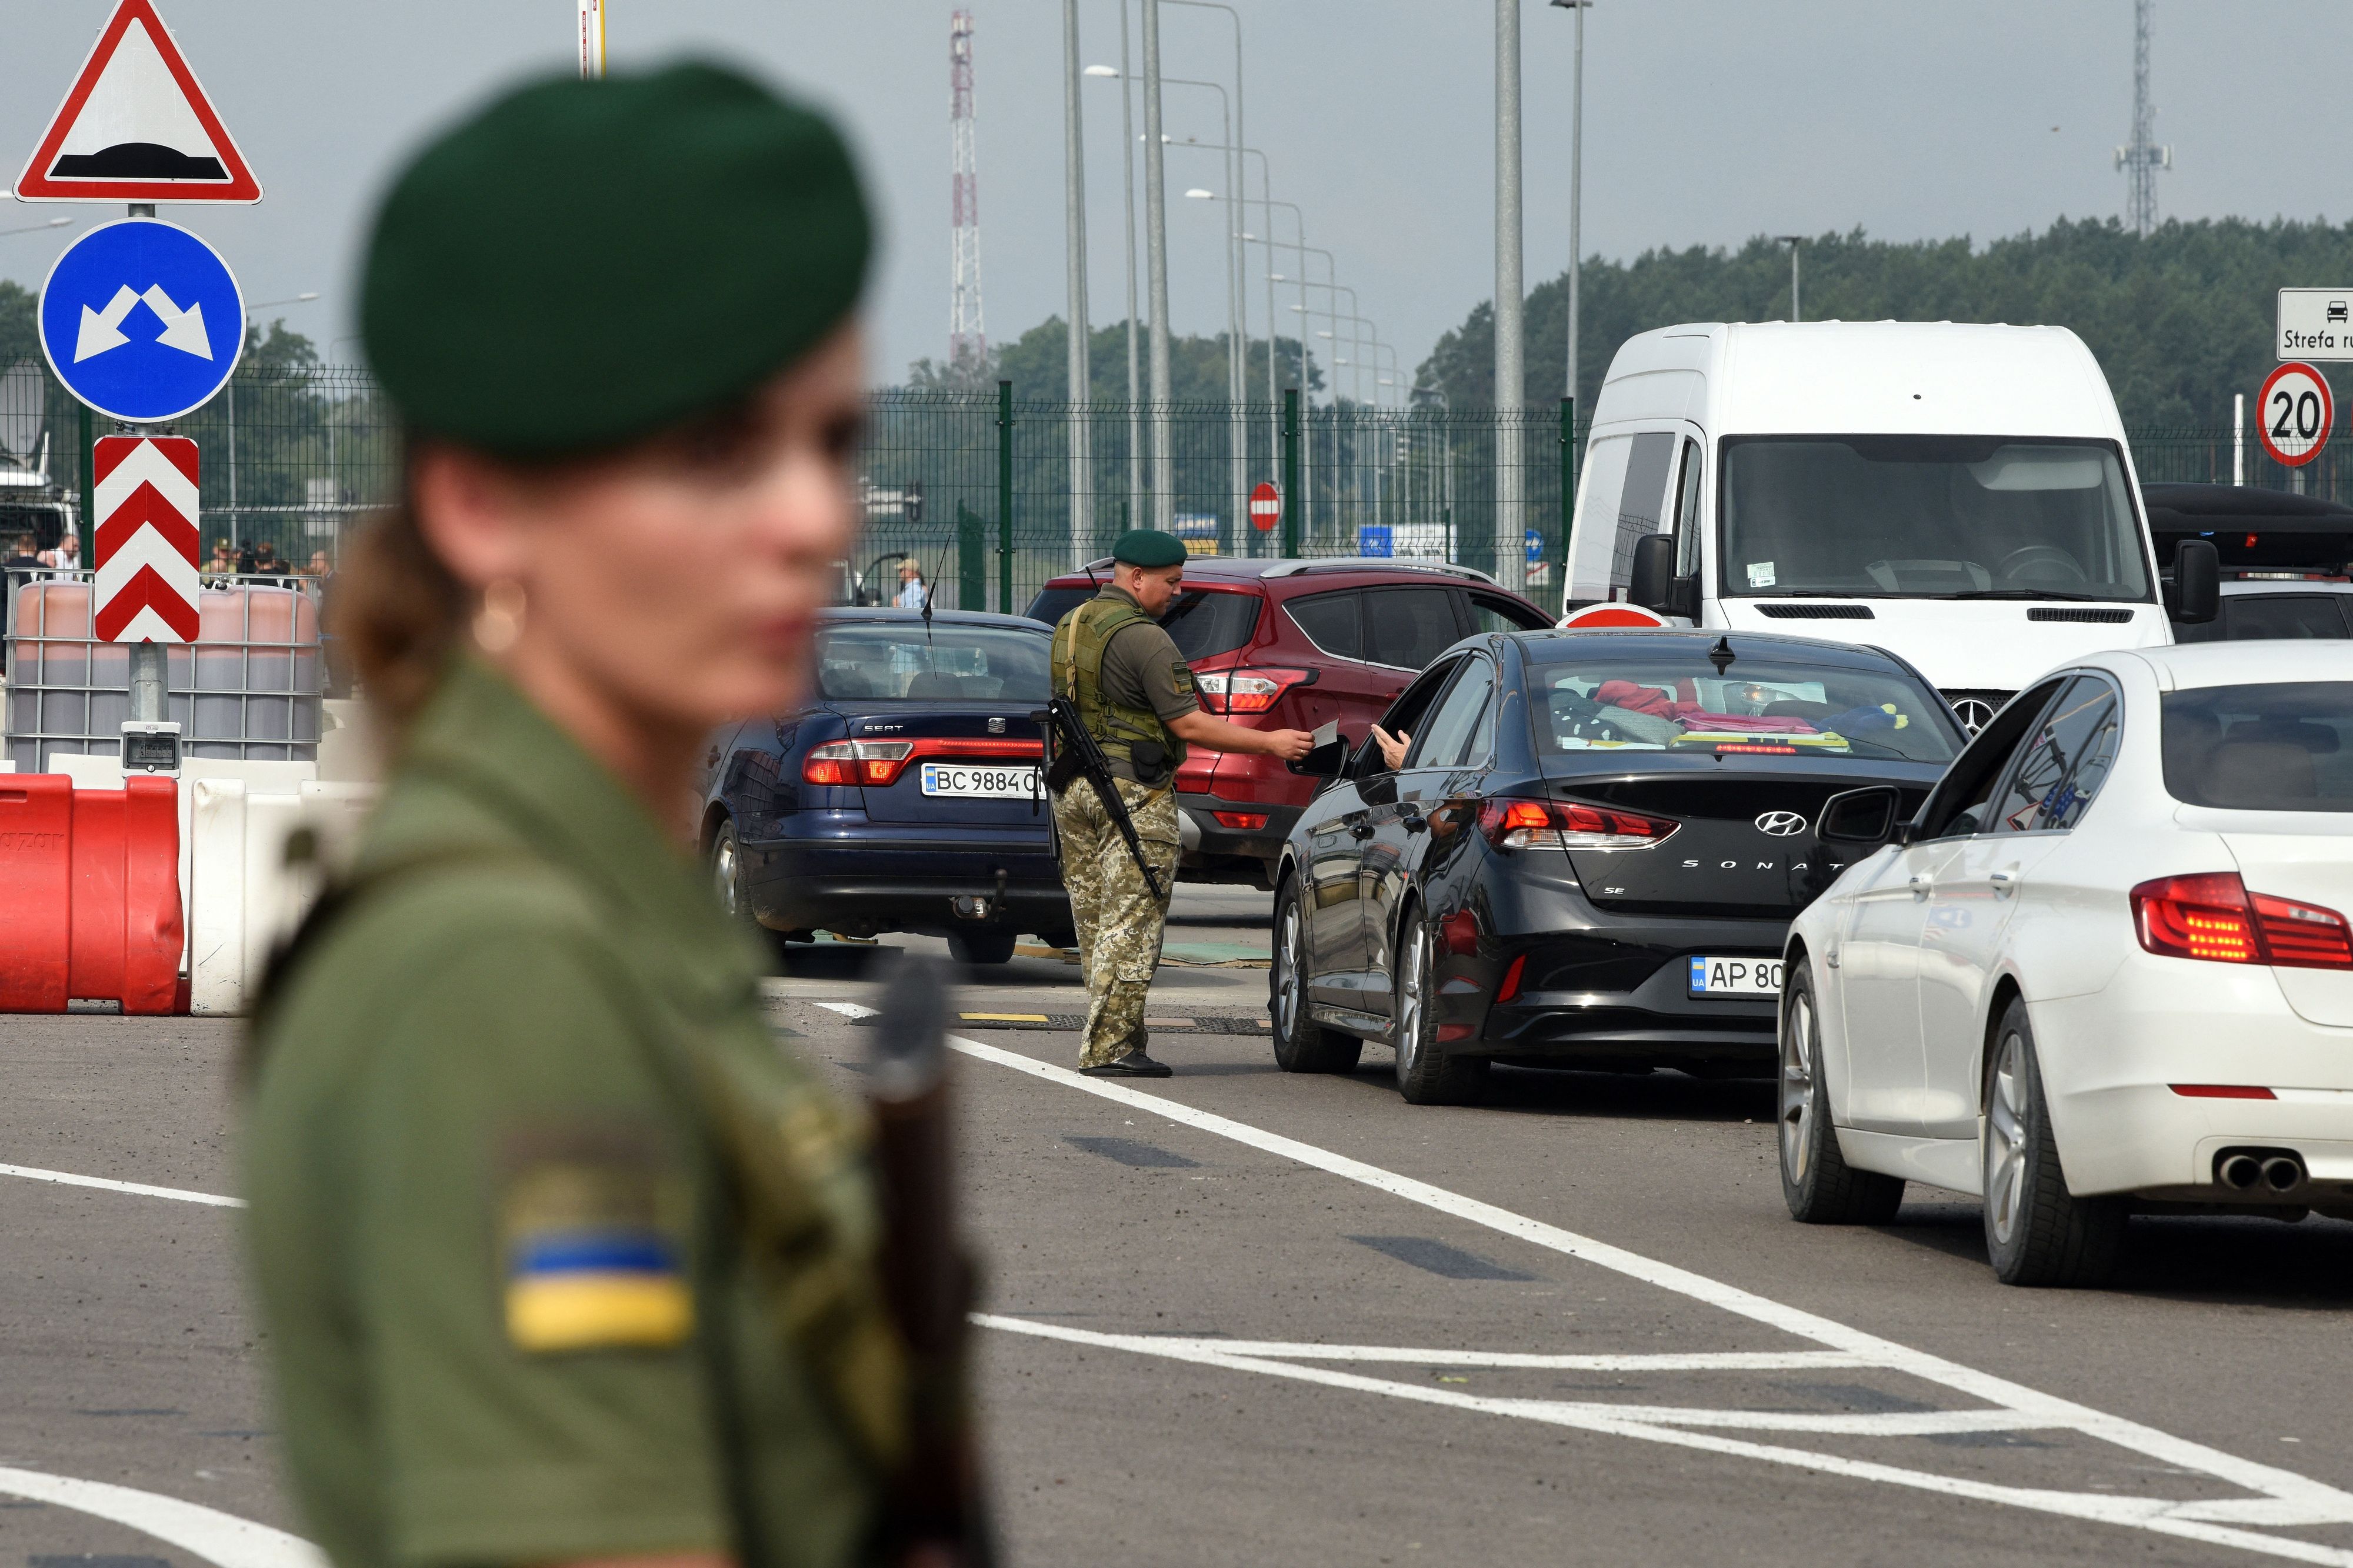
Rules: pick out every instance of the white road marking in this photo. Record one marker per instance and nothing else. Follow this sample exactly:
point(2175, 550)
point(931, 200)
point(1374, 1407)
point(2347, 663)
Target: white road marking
point(217, 1537)
point(2285, 1498)
point(137, 1189)
point(1665, 1361)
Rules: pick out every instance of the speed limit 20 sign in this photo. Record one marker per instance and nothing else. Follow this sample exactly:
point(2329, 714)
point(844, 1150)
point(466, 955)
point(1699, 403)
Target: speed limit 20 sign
point(2296, 413)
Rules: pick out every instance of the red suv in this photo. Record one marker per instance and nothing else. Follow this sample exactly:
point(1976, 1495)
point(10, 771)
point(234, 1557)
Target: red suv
point(1294, 645)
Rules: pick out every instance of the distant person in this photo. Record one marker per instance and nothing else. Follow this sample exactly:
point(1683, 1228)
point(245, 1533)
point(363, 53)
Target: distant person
point(911, 585)
point(244, 559)
point(320, 567)
point(266, 562)
point(223, 561)
point(67, 556)
point(21, 565)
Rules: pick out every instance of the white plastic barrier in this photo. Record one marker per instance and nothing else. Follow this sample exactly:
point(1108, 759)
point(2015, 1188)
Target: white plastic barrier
point(243, 897)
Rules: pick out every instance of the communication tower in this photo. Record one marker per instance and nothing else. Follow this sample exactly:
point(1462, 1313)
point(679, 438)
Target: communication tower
point(2142, 160)
point(967, 340)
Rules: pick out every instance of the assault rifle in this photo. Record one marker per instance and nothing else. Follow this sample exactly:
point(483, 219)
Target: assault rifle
point(1074, 755)
point(937, 1512)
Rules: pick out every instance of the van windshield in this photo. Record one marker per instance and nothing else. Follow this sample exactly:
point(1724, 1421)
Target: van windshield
point(1928, 517)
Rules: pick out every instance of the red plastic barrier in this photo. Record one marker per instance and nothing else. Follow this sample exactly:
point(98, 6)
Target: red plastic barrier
point(89, 894)
point(36, 891)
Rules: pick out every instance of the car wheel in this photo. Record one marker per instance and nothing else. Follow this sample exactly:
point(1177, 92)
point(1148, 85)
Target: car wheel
point(1817, 1183)
point(1425, 1074)
point(981, 946)
point(2037, 1233)
point(1300, 1045)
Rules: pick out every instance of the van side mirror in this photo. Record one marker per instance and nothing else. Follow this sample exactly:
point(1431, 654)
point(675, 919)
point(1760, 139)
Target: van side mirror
point(1652, 585)
point(2197, 581)
point(1858, 821)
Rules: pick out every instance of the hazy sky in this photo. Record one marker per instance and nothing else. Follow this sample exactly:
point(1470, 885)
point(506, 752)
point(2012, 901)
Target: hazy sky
point(1706, 122)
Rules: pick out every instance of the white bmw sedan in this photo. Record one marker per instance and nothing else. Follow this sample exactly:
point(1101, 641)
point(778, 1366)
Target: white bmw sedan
point(2104, 968)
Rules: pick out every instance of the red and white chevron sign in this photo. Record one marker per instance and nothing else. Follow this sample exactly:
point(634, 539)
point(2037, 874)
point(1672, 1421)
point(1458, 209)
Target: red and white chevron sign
point(147, 541)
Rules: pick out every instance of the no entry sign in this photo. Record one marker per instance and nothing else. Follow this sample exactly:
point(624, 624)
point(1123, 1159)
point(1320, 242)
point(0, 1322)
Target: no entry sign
point(1610, 613)
point(1265, 506)
point(146, 552)
point(2296, 413)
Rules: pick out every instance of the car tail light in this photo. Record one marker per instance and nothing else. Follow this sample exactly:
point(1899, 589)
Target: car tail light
point(1247, 821)
point(2211, 916)
point(1249, 690)
point(880, 763)
point(1542, 824)
point(2223, 1091)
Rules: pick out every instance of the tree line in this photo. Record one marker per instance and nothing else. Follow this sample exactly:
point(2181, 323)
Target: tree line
point(2180, 320)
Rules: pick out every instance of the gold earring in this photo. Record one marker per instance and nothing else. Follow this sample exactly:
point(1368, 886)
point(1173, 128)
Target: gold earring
point(498, 624)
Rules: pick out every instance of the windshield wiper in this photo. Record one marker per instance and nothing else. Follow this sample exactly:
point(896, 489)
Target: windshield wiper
point(2033, 593)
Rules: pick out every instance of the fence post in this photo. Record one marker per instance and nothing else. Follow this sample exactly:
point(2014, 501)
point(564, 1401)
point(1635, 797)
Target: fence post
point(1005, 497)
point(88, 489)
point(1291, 496)
point(972, 561)
point(1568, 486)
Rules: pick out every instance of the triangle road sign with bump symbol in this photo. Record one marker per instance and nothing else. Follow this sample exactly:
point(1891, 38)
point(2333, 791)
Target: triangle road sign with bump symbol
point(136, 127)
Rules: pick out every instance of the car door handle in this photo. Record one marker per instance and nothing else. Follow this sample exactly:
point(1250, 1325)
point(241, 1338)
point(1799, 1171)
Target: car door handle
point(1920, 883)
point(1360, 829)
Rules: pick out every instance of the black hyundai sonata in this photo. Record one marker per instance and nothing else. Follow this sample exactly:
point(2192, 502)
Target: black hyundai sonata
point(1589, 855)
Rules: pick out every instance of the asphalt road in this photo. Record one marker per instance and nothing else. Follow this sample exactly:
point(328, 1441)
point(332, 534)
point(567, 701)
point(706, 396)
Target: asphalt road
point(1236, 1317)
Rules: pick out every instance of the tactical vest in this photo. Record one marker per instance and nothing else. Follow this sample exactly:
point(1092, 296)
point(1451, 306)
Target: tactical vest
point(1079, 643)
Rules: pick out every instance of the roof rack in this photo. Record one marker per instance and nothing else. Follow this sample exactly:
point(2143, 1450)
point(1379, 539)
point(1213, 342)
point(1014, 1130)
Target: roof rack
point(1361, 562)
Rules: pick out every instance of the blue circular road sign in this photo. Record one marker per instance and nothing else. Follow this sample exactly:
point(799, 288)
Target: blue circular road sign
point(142, 321)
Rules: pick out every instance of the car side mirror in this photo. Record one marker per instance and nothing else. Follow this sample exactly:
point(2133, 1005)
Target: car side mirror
point(1858, 821)
point(2197, 581)
point(1652, 585)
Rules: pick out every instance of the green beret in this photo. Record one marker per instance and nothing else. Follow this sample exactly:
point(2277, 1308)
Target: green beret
point(585, 263)
point(1144, 547)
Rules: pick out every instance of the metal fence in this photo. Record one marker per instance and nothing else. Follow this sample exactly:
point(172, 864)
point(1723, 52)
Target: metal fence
point(981, 487)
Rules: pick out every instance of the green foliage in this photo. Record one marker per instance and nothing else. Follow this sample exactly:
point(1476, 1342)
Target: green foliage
point(2180, 320)
point(19, 338)
point(1196, 367)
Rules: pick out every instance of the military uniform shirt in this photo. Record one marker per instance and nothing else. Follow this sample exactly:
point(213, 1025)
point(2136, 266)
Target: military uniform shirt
point(1142, 669)
point(496, 1244)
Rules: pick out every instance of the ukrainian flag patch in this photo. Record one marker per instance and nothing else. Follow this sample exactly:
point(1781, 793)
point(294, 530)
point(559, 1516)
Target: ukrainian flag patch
point(591, 1227)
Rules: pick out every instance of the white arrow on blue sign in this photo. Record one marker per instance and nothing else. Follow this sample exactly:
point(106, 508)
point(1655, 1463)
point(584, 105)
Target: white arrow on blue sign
point(142, 321)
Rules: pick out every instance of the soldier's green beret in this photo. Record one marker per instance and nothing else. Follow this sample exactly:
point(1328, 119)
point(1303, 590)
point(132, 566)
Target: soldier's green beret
point(584, 263)
point(1144, 547)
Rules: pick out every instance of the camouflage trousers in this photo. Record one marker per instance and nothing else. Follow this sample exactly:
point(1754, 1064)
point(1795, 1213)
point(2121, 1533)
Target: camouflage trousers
point(1118, 920)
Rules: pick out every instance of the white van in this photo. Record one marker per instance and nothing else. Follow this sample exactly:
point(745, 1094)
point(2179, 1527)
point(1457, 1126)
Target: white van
point(1959, 495)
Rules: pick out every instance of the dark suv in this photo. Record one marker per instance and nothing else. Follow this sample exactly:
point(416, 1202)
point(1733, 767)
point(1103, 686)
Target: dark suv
point(1294, 645)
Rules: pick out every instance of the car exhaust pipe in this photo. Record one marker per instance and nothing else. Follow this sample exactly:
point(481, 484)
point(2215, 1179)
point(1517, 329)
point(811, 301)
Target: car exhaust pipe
point(2241, 1171)
point(2283, 1172)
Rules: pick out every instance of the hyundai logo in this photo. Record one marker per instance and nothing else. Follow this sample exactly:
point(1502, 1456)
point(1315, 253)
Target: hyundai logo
point(1780, 823)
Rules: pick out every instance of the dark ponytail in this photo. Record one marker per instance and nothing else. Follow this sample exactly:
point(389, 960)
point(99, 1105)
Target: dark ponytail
point(398, 614)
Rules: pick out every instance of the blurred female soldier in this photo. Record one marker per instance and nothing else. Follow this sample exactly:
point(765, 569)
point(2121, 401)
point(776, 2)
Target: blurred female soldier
point(560, 1257)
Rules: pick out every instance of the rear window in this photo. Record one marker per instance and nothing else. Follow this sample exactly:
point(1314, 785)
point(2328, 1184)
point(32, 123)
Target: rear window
point(2280, 746)
point(1681, 703)
point(1201, 623)
point(897, 661)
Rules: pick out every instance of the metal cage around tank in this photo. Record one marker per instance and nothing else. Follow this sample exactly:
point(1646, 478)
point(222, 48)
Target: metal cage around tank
point(249, 687)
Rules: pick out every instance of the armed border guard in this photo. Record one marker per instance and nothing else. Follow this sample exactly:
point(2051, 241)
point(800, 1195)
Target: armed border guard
point(1118, 676)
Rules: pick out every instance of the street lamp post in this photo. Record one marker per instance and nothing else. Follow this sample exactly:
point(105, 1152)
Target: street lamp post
point(1576, 185)
point(1155, 219)
point(1510, 374)
point(1795, 242)
point(1074, 219)
point(1237, 435)
point(1127, 176)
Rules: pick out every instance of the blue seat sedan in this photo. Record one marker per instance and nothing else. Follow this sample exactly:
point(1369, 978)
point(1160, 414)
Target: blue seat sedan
point(901, 796)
